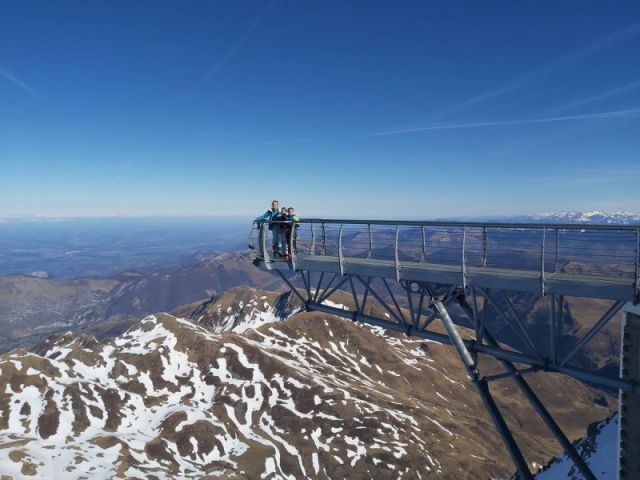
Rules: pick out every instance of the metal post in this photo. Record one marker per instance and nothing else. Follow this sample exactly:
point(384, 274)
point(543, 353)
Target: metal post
point(419, 312)
point(637, 299)
point(370, 242)
point(263, 246)
point(324, 239)
point(484, 247)
point(397, 264)
point(474, 306)
point(292, 252)
point(542, 247)
point(559, 320)
point(312, 247)
point(557, 256)
point(340, 257)
point(464, 257)
point(553, 318)
point(424, 245)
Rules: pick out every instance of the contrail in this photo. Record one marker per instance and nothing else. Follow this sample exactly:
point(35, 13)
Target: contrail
point(630, 113)
point(586, 51)
point(629, 87)
point(16, 81)
point(236, 46)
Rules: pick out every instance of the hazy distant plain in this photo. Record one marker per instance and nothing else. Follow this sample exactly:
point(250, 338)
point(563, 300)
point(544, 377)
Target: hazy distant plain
point(96, 247)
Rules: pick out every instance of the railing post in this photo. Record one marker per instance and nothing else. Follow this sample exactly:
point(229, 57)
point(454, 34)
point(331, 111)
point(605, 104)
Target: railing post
point(464, 257)
point(557, 256)
point(397, 256)
point(484, 247)
point(312, 248)
point(370, 242)
point(324, 239)
point(424, 245)
point(542, 252)
point(292, 242)
point(340, 256)
point(263, 246)
point(637, 299)
point(553, 318)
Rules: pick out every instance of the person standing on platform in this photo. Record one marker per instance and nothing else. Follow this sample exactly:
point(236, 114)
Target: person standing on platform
point(271, 216)
point(290, 232)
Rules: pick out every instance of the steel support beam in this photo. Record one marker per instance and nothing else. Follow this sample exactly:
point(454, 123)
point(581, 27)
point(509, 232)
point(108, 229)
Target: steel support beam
point(378, 322)
point(539, 407)
point(490, 350)
point(482, 386)
point(522, 333)
point(615, 308)
point(290, 285)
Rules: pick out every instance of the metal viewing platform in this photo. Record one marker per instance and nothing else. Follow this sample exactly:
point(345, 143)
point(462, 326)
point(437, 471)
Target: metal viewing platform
point(596, 261)
point(416, 271)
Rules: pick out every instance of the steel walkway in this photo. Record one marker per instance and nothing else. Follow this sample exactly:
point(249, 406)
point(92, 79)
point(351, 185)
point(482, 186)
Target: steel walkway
point(596, 261)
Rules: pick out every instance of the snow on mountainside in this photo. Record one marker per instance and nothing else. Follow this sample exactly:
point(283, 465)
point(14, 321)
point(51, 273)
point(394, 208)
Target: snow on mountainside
point(617, 218)
point(599, 448)
point(249, 388)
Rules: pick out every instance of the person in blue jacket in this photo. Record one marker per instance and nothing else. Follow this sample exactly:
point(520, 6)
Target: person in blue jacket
point(272, 215)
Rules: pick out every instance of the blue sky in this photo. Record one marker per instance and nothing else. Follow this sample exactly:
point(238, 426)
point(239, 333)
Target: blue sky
point(412, 109)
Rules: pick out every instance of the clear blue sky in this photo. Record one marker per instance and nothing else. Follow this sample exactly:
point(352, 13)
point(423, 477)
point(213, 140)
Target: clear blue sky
point(413, 109)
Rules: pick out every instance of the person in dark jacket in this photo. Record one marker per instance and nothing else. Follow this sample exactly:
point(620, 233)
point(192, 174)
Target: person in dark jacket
point(289, 230)
point(270, 216)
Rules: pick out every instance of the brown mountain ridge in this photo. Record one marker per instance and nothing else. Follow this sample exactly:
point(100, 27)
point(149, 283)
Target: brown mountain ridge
point(248, 386)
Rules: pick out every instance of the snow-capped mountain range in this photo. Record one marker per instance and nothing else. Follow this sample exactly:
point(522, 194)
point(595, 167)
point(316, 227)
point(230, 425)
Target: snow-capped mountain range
point(617, 218)
point(565, 217)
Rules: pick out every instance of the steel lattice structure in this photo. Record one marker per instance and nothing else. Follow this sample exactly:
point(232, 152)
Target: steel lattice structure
point(427, 267)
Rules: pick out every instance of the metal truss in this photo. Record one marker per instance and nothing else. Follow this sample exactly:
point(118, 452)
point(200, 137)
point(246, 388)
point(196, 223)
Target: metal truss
point(422, 302)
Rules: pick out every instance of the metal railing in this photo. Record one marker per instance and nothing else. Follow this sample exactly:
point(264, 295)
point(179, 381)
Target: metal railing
point(550, 249)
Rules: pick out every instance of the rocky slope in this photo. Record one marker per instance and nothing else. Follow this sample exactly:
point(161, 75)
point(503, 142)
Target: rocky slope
point(250, 387)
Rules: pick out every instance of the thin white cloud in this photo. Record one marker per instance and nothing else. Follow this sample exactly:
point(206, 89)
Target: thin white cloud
point(525, 79)
point(4, 73)
point(630, 113)
point(614, 92)
point(241, 40)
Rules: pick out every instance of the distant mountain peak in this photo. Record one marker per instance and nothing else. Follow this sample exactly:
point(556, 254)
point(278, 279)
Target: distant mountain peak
point(593, 216)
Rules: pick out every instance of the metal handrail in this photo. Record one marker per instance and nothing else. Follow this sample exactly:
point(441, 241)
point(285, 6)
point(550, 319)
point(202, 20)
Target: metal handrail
point(587, 249)
point(438, 223)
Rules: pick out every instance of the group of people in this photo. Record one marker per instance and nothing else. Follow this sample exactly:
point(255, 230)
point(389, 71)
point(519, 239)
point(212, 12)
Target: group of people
point(282, 223)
